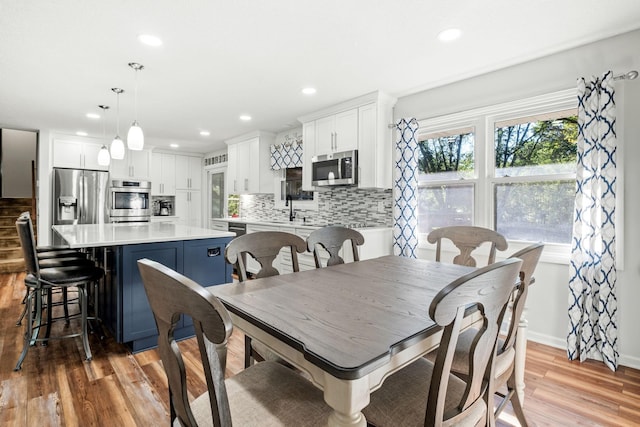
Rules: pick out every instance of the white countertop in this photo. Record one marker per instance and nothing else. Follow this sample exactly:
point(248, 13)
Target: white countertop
point(294, 224)
point(97, 235)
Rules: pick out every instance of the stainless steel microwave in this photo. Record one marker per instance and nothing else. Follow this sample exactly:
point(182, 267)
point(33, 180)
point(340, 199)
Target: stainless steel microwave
point(130, 201)
point(335, 169)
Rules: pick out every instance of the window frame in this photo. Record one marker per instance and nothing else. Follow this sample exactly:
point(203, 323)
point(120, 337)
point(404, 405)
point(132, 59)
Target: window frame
point(482, 121)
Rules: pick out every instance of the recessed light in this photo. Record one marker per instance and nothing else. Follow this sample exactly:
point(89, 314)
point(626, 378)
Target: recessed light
point(309, 90)
point(81, 133)
point(449, 35)
point(93, 115)
point(245, 118)
point(149, 40)
point(174, 145)
point(205, 133)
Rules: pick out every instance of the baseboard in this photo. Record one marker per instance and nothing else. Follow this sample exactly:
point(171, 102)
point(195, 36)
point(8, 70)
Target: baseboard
point(623, 360)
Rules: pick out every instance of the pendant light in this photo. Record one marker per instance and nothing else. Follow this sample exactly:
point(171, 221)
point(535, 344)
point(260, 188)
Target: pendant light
point(117, 146)
point(103, 155)
point(135, 137)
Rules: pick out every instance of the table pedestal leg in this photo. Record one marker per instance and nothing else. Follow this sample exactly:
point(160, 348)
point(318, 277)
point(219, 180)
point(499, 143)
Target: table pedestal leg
point(347, 398)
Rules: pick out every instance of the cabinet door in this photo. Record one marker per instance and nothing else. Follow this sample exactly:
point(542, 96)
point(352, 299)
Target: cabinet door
point(90, 157)
point(67, 154)
point(119, 168)
point(346, 131)
point(139, 164)
point(325, 128)
point(156, 174)
point(195, 170)
point(195, 208)
point(137, 318)
point(232, 169)
point(168, 166)
point(309, 150)
point(182, 206)
point(182, 172)
point(243, 166)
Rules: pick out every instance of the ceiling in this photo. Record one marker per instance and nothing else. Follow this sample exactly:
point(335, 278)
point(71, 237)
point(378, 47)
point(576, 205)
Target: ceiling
point(221, 59)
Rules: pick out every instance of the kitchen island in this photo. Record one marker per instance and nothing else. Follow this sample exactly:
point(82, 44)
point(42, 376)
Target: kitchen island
point(198, 253)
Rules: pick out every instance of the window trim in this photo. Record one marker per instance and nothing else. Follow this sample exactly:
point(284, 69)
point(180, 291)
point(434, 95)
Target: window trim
point(483, 120)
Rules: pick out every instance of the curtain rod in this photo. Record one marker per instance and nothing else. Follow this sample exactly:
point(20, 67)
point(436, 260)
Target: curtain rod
point(627, 76)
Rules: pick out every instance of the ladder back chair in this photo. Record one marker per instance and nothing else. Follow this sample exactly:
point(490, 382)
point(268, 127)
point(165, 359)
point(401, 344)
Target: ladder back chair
point(264, 247)
point(427, 393)
point(332, 239)
point(467, 239)
point(504, 374)
point(265, 394)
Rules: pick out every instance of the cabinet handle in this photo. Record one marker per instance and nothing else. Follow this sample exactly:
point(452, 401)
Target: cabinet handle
point(235, 185)
point(246, 184)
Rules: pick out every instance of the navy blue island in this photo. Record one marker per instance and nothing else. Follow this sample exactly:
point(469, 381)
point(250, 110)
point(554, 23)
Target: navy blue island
point(197, 253)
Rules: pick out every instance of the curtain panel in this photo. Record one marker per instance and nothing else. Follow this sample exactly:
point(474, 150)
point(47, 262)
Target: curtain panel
point(593, 328)
point(405, 190)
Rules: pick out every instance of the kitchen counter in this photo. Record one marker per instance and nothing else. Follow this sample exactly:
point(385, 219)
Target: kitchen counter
point(298, 223)
point(101, 235)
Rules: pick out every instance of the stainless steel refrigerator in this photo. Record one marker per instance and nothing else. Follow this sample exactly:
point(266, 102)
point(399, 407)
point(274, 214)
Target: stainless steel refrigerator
point(80, 196)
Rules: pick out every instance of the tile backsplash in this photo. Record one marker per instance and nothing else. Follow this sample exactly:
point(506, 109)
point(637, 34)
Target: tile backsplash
point(342, 205)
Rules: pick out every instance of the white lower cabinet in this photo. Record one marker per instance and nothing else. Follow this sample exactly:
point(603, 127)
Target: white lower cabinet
point(188, 207)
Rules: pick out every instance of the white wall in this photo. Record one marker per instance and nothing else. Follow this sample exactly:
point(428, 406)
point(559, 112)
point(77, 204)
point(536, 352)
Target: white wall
point(18, 151)
point(548, 299)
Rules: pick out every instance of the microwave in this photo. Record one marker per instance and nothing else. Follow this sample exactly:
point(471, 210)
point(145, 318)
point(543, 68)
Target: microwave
point(335, 169)
point(130, 201)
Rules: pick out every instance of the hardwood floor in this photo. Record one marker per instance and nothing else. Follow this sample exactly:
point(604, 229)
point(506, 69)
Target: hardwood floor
point(56, 387)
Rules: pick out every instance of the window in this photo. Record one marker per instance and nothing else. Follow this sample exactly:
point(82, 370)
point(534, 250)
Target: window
point(509, 167)
point(535, 169)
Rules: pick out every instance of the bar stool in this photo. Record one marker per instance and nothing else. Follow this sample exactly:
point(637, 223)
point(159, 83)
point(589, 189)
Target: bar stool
point(40, 283)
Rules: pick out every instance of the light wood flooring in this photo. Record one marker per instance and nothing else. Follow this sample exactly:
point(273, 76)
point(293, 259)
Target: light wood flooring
point(56, 387)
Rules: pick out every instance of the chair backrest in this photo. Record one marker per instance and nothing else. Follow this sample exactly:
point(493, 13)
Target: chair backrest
point(24, 226)
point(264, 247)
point(467, 239)
point(332, 239)
point(489, 289)
point(170, 294)
point(530, 257)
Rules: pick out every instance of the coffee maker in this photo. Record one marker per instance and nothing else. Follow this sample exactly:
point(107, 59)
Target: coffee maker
point(165, 207)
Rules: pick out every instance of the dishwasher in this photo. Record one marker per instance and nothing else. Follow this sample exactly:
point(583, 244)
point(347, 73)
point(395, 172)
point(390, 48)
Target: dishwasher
point(240, 228)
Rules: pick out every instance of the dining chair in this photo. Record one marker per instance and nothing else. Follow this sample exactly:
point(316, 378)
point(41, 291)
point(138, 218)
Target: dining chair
point(331, 239)
point(427, 393)
point(264, 247)
point(264, 394)
point(41, 282)
point(504, 374)
point(467, 239)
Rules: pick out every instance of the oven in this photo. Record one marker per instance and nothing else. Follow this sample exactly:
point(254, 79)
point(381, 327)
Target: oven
point(130, 201)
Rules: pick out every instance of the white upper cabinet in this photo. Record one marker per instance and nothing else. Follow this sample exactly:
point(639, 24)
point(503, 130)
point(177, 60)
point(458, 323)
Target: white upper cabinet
point(188, 172)
point(248, 164)
point(361, 123)
point(337, 132)
point(134, 165)
point(76, 155)
point(163, 174)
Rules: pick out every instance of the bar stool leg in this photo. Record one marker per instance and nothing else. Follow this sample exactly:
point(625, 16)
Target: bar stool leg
point(29, 330)
point(49, 306)
point(65, 301)
point(24, 310)
point(82, 290)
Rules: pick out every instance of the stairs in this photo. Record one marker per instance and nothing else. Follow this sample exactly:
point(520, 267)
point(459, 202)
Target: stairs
point(11, 260)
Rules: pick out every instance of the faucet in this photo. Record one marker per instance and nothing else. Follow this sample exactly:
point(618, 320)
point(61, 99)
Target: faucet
point(289, 202)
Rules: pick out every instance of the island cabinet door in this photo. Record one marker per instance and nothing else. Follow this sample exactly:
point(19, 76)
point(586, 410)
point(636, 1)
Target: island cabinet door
point(138, 322)
point(206, 264)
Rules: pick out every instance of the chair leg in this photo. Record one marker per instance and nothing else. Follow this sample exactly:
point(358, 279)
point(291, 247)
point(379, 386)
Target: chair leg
point(247, 352)
point(515, 400)
point(49, 317)
point(65, 305)
point(28, 331)
point(82, 293)
point(24, 310)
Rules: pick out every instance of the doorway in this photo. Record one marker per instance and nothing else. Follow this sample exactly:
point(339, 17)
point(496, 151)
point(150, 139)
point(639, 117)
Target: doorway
point(18, 150)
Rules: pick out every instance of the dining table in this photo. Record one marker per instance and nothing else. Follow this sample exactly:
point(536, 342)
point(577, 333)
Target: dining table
point(347, 326)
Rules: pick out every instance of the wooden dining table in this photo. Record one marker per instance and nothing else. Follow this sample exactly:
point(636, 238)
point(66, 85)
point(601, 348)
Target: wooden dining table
point(347, 326)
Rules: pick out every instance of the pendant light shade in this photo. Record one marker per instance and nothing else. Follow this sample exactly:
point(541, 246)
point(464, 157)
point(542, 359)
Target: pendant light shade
point(103, 156)
point(135, 137)
point(117, 146)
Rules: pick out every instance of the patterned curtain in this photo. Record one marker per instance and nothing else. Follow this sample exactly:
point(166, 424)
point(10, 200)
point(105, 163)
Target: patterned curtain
point(286, 156)
point(593, 329)
point(405, 190)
